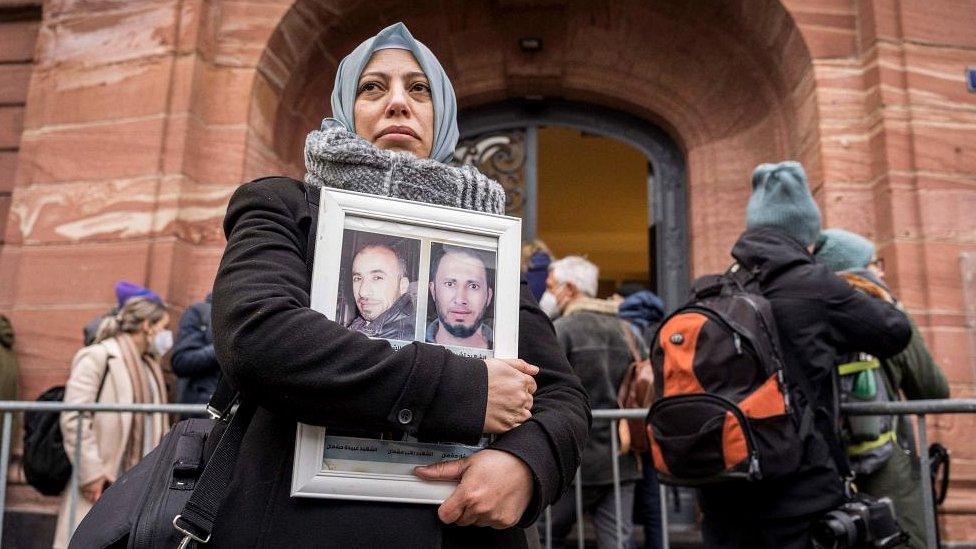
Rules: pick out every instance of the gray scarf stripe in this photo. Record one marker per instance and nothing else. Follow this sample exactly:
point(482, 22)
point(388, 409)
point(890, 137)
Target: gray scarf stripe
point(340, 159)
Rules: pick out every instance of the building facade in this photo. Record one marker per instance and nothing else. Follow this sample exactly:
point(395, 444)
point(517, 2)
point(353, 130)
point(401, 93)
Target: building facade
point(125, 126)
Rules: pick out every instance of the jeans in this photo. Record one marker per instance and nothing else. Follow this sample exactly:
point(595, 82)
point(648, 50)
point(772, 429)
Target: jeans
point(599, 502)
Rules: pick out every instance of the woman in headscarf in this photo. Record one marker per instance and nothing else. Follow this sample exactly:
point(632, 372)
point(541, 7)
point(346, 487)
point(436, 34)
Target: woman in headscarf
point(393, 126)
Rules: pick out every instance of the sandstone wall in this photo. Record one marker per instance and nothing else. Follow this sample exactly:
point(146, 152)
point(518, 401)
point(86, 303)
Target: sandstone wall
point(143, 116)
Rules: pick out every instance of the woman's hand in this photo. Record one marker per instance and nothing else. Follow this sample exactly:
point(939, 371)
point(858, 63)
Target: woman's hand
point(494, 490)
point(93, 490)
point(510, 390)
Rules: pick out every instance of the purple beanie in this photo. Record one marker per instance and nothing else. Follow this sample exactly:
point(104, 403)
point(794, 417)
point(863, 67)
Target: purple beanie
point(125, 291)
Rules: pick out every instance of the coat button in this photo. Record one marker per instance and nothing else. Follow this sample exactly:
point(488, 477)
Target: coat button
point(405, 416)
point(677, 339)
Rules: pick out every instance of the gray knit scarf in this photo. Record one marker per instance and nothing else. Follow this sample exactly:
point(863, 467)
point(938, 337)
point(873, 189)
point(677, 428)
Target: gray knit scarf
point(340, 159)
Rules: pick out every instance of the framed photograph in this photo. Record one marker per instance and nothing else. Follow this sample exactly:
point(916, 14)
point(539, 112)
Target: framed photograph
point(405, 271)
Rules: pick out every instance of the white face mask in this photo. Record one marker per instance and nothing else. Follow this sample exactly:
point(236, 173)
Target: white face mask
point(549, 304)
point(161, 343)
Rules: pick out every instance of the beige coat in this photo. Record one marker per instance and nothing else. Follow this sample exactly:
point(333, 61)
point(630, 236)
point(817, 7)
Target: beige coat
point(104, 435)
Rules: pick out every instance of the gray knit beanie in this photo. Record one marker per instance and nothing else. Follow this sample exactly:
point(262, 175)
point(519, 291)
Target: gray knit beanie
point(842, 250)
point(781, 199)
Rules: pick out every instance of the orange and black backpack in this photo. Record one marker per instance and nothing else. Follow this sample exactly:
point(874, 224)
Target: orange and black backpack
point(724, 405)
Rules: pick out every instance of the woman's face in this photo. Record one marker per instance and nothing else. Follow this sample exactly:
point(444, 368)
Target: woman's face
point(393, 108)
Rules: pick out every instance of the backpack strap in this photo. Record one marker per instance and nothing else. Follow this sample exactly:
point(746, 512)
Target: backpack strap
point(629, 338)
point(747, 281)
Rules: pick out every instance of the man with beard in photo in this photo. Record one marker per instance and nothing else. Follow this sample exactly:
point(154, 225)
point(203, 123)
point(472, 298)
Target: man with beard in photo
point(380, 289)
point(461, 290)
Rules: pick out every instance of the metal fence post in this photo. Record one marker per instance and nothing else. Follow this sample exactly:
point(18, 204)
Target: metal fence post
point(580, 544)
point(615, 466)
point(73, 494)
point(665, 541)
point(923, 457)
point(4, 463)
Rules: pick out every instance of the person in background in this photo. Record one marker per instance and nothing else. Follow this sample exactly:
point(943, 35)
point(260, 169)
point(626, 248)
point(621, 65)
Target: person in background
point(121, 367)
point(9, 369)
point(194, 360)
point(536, 258)
point(592, 336)
point(645, 311)
point(818, 317)
point(123, 292)
point(912, 374)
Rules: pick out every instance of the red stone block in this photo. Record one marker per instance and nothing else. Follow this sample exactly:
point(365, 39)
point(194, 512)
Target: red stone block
point(936, 76)
point(243, 30)
point(945, 147)
point(14, 80)
point(946, 207)
point(4, 212)
point(8, 165)
point(11, 126)
point(222, 95)
point(83, 37)
point(952, 349)
point(17, 41)
point(946, 22)
point(214, 154)
point(194, 269)
point(104, 151)
point(77, 273)
point(125, 90)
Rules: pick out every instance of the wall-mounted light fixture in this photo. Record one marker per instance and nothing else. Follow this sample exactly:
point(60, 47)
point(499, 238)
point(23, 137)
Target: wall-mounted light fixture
point(529, 44)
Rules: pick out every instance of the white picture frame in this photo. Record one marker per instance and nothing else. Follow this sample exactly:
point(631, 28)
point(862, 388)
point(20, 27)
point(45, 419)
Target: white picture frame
point(365, 217)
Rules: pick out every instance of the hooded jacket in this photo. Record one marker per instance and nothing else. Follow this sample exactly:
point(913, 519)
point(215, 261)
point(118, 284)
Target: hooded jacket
point(818, 317)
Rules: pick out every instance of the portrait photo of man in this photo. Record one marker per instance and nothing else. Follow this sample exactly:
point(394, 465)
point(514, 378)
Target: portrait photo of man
point(461, 290)
point(380, 277)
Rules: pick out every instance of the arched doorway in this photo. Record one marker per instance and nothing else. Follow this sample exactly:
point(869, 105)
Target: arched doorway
point(511, 130)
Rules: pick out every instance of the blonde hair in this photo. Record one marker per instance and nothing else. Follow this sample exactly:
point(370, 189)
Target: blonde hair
point(130, 317)
point(529, 248)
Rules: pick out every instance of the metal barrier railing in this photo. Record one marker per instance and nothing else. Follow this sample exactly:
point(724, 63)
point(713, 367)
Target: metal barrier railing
point(919, 408)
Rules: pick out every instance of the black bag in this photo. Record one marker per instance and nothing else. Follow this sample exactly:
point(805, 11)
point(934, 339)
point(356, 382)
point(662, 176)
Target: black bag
point(46, 465)
point(45, 462)
point(172, 495)
point(724, 405)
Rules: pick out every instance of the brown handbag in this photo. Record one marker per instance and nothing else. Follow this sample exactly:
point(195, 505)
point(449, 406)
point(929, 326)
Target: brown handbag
point(635, 391)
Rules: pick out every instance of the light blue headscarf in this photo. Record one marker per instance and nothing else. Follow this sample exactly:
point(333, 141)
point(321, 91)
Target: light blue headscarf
point(442, 92)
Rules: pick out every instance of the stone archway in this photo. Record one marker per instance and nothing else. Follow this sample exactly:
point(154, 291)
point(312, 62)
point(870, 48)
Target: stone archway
point(733, 83)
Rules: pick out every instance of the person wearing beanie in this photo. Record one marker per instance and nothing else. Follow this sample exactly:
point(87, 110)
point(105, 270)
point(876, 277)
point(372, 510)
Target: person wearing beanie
point(842, 250)
point(890, 470)
point(781, 199)
point(124, 291)
point(818, 317)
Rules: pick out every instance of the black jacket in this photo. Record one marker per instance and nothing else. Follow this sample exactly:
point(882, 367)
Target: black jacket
point(194, 360)
point(397, 322)
point(818, 316)
point(300, 366)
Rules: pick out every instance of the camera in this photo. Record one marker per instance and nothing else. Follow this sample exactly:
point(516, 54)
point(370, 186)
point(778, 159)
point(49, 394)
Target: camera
point(862, 522)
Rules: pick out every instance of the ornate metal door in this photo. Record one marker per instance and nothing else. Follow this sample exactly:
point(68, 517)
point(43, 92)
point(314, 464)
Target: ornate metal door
point(501, 141)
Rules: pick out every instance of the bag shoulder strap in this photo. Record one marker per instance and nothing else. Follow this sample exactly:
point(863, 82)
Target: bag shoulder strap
point(196, 519)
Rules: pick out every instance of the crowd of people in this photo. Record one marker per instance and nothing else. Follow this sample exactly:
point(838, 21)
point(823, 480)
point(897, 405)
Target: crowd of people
point(394, 109)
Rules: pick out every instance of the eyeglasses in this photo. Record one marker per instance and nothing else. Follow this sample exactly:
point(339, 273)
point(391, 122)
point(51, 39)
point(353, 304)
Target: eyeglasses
point(878, 263)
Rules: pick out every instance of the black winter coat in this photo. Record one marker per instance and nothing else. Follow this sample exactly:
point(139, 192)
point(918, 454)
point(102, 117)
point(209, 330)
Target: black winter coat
point(818, 316)
point(194, 360)
point(300, 366)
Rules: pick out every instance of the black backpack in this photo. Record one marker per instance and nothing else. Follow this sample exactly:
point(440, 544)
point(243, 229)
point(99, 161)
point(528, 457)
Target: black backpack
point(725, 407)
point(45, 462)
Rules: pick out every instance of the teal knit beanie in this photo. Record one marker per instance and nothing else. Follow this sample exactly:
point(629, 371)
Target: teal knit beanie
point(842, 250)
point(781, 199)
